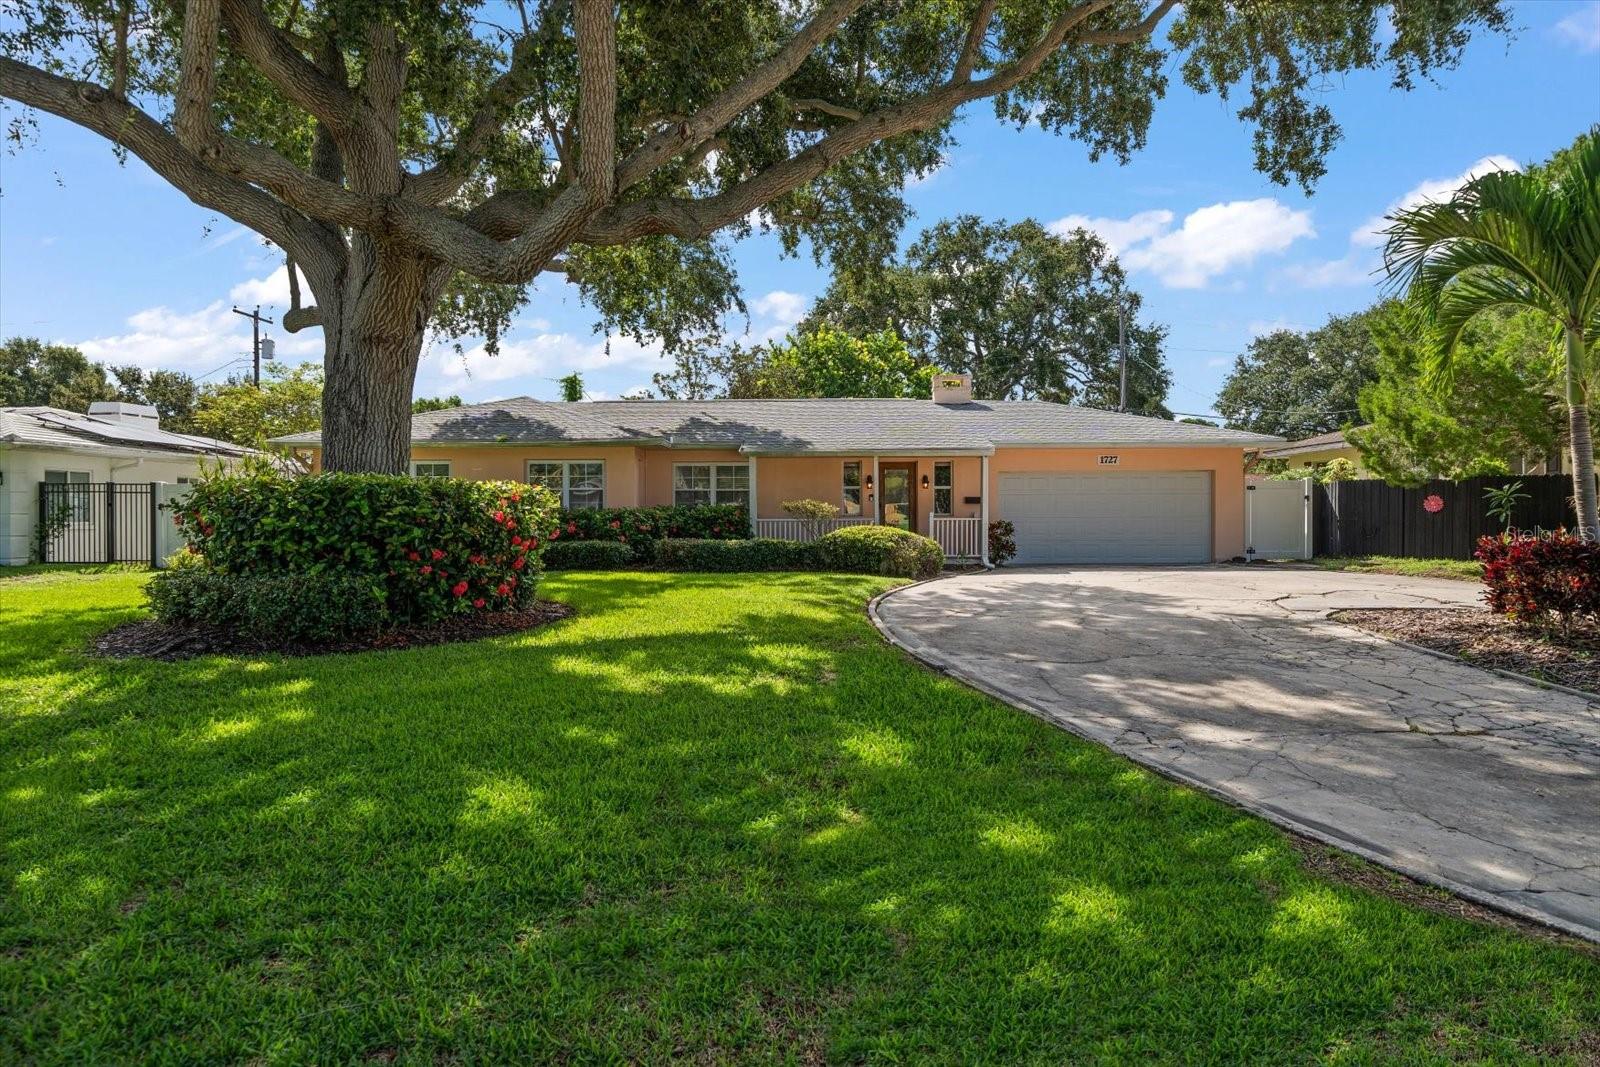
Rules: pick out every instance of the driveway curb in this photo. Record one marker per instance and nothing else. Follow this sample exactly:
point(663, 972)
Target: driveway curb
point(1317, 831)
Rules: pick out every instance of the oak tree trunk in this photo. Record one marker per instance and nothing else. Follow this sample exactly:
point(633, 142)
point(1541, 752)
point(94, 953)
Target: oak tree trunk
point(373, 332)
point(1583, 485)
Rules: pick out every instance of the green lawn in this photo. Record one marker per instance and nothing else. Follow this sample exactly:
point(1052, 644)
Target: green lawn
point(1464, 569)
point(710, 817)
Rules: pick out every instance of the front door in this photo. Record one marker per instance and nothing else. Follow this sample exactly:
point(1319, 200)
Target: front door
point(899, 495)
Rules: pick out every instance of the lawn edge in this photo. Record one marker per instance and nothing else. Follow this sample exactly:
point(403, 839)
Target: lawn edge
point(931, 659)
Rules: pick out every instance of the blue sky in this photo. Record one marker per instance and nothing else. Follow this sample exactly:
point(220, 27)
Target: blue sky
point(106, 256)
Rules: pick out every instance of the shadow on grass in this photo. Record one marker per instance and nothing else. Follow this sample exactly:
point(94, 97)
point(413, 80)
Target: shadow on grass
point(709, 816)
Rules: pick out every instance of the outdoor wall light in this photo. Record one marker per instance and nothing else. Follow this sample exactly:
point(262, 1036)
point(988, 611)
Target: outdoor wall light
point(924, 481)
point(869, 481)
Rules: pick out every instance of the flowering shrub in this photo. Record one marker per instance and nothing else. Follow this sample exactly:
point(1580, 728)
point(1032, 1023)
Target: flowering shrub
point(1540, 579)
point(881, 550)
point(1002, 541)
point(433, 546)
point(641, 528)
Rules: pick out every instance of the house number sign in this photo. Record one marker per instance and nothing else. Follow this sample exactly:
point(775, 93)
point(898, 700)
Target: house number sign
point(1108, 461)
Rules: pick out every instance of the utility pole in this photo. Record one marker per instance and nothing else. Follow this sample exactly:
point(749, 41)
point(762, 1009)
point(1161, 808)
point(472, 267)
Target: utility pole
point(1122, 346)
point(256, 319)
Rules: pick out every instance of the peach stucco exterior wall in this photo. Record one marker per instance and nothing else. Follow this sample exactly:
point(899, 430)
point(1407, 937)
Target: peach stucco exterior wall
point(1226, 466)
point(510, 463)
point(780, 478)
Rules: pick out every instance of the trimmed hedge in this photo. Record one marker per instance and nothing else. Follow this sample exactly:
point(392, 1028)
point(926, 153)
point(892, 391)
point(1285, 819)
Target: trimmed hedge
point(586, 555)
point(752, 554)
point(880, 550)
point(642, 528)
point(1537, 579)
point(432, 546)
point(294, 607)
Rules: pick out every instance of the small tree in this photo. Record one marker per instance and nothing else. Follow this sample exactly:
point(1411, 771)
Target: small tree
point(1514, 240)
point(572, 388)
point(815, 516)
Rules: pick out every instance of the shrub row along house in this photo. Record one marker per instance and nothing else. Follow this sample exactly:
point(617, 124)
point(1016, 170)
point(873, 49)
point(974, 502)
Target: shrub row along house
point(1080, 485)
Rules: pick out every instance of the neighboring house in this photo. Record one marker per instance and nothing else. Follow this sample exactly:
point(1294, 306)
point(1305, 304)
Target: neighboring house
point(1319, 451)
point(1081, 485)
point(121, 443)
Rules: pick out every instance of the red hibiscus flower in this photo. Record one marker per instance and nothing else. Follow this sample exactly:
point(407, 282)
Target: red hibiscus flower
point(500, 516)
point(516, 539)
point(616, 524)
point(459, 589)
point(478, 603)
point(503, 589)
point(412, 556)
point(572, 527)
point(518, 562)
point(554, 534)
point(437, 554)
point(475, 559)
point(516, 498)
point(426, 569)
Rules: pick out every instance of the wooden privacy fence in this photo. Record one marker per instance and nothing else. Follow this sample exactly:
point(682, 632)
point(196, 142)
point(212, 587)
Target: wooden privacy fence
point(1440, 520)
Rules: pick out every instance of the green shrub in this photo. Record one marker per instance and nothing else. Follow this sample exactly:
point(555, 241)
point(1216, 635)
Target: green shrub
point(1002, 542)
point(291, 607)
point(586, 555)
point(433, 546)
point(751, 554)
point(881, 550)
point(641, 528)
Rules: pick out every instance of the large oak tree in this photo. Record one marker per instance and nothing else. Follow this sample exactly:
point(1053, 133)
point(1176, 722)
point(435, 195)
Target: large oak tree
point(425, 160)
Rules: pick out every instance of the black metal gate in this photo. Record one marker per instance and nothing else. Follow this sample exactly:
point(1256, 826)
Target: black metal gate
point(98, 522)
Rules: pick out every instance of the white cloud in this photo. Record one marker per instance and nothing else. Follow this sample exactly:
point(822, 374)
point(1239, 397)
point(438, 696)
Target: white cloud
point(781, 306)
point(1211, 241)
point(928, 175)
point(1356, 267)
point(271, 291)
point(1118, 234)
point(1581, 29)
point(1434, 190)
point(549, 355)
point(1257, 327)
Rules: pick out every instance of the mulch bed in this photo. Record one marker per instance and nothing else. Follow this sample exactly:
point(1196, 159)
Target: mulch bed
point(1487, 640)
point(158, 640)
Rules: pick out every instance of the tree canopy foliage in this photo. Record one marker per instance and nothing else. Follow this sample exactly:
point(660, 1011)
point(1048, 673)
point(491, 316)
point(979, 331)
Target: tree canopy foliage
point(819, 362)
point(1503, 403)
point(289, 400)
point(425, 162)
point(1028, 313)
point(1301, 383)
point(33, 374)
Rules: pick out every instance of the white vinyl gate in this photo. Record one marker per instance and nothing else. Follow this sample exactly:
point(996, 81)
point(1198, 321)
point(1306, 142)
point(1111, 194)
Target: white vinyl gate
point(1278, 519)
point(1109, 518)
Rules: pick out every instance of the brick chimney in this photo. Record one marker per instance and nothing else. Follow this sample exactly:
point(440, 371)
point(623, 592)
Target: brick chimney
point(952, 388)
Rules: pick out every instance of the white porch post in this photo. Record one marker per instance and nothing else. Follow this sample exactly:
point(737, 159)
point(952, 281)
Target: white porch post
point(877, 494)
point(755, 502)
point(983, 512)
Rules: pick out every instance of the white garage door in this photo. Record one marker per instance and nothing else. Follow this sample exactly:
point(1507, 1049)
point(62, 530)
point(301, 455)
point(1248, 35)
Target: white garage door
point(1109, 518)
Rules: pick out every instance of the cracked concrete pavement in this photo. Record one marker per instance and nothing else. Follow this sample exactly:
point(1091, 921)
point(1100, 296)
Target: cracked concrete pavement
point(1236, 681)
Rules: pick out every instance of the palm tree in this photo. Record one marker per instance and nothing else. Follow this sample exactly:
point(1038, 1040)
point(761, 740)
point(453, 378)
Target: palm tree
point(1523, 239)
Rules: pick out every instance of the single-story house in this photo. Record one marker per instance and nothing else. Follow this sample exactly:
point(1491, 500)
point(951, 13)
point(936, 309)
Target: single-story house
point(114, 443)
point(1081, 485)
point(1323, 448)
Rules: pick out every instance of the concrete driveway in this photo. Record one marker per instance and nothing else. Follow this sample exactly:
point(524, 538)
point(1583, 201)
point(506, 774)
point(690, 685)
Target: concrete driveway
point(1234, 679)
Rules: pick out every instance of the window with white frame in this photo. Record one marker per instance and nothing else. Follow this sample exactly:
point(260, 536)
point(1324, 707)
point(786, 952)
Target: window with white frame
point(430, 469)
point(944, 494)
point(76, 499)
point(581, 484)
point(851, 497)
point(711, 483)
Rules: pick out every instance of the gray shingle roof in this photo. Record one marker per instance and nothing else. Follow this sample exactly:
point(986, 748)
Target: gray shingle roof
point(1317, 443)
point(47, 427)
point(846, 425)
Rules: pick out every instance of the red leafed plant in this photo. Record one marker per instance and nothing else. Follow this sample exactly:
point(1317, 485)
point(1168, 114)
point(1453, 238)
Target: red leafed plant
point(1551, 578)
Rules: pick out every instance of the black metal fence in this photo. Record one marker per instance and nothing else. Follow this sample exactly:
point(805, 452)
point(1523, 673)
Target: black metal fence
point(1440, 520)
point(98, 522)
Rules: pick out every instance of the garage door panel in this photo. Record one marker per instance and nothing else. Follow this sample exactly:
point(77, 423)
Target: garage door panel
point(1109, 518)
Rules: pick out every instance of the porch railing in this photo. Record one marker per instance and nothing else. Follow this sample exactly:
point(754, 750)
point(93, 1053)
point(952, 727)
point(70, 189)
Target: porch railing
point(960, 538)
point(801, 530)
